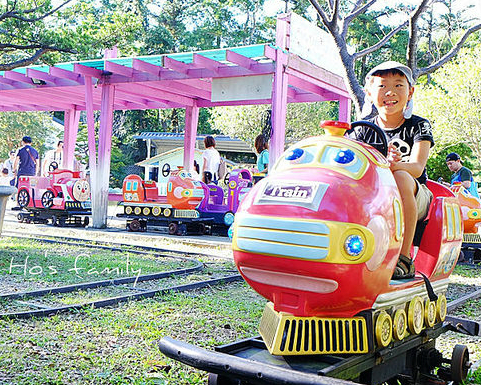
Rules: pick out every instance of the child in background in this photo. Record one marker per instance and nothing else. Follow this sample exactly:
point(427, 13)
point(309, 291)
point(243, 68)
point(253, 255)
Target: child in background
point(389, 86)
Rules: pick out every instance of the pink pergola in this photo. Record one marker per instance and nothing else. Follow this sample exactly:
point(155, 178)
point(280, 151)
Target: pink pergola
point(179, 80)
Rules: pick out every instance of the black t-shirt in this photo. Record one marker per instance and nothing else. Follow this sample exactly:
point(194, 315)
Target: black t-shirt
point(27, 156)
point(415, 129)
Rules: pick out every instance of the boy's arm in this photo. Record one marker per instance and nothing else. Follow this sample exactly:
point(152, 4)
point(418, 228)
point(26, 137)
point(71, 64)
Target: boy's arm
point(417, 160)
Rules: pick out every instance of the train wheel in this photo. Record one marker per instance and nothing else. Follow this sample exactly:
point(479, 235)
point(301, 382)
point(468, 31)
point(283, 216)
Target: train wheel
point(416, 315)
point(173, 227)
point(20, 217)
point(23, 198)
point(399, 324)
point(146, 211)
point(128, 210)
point(430, 313)
point(460, 364)
point(134, 225)
point(441, 307)
point(383, 329)
point(156, 211)
point(228, 218)
point(217, 379)
point(47, 199)
point(137, 210)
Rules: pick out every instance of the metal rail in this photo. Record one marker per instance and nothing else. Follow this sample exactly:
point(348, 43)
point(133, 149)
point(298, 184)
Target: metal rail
point(136, 295)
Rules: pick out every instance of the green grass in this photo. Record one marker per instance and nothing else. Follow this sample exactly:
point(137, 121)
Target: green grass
point(49, 263)
point(119, 345)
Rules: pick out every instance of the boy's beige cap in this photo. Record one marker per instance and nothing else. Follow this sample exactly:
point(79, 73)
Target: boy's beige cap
point(391, 65)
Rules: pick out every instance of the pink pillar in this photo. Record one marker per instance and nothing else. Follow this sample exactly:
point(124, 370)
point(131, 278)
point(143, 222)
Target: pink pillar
point(101, 185)
point(279, 108)
point(190, 134)
point(345, 110)
point(71, 121)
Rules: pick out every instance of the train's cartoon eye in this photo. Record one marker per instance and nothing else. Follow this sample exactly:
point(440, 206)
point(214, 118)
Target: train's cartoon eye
point(295, 155)
point(186, 193)
point(128, 186)
point(135, 186)
point(344, 156)
point(354, 245)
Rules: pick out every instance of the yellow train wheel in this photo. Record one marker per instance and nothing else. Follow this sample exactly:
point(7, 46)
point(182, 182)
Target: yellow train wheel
point(441, 308)
point(383, 329)
point(137, 210)
point(399, 324)
point(128, 210)
point(430, 313)
point(167, 212)
point(156, 211)
point(416, 315)
point(146, 211)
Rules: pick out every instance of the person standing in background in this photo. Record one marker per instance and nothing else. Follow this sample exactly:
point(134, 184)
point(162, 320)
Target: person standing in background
point(211, 158)
point(8, 164)
point(53, 159)
point(26, 162)
point(261, 144)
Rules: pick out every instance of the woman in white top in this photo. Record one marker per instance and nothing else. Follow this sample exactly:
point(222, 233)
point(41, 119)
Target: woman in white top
point(211, 158)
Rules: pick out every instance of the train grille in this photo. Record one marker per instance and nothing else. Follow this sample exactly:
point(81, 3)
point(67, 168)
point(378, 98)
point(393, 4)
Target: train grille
point(285, 237)
point(285, 334)
point(186, 213)
point(472, 238)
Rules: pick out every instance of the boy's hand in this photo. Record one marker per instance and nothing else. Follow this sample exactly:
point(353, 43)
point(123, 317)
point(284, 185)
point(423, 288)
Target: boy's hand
point(394, 156)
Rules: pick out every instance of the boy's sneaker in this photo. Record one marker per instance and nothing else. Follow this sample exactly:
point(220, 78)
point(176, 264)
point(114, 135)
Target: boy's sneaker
point(404, 269)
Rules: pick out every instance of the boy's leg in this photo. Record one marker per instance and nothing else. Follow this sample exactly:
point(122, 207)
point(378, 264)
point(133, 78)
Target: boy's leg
point(408, 189)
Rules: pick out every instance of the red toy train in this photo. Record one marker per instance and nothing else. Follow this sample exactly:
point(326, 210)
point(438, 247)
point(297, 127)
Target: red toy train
point(320, 237)
point(189, 206)
point(63, 198)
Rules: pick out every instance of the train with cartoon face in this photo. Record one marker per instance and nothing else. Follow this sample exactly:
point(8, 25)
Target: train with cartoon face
point(62, 198)
point(320, 238)
point(189, 205)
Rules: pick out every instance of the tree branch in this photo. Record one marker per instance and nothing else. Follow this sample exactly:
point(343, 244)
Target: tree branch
point(356, 11)
point(380, 43)
point(448, 56)
point(321, 13)
point(17, 15)
point(413, 35)
point(26, 61)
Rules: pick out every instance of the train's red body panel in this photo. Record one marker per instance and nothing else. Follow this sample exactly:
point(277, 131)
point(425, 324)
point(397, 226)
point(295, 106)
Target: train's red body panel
point(61, 190)
point(470, 209)
point(320, 236)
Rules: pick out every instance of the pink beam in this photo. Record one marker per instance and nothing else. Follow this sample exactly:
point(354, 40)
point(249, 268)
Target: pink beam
point(155, 95)
point(312, 88)
point(66, 74)
point(345, 110)
point(71, 121)
point(15, 84)
point(190, 134)
point(279, 108)
point(186, 89)
point(205, 62)
point(100, 202)
point(177, 65)
point(243, 61)
point(143, 66)
point(91, 135)
point(32, 73)
point(207, 103)
point(37, 99)
point(119, 69)
point(87, 71)
point(17, 76)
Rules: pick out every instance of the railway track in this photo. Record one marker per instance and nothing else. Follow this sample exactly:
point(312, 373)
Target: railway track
point(129, 284)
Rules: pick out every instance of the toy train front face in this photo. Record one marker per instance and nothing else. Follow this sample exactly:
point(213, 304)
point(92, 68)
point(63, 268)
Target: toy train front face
point(183, 191)
point(327, 223)
point(61, 190)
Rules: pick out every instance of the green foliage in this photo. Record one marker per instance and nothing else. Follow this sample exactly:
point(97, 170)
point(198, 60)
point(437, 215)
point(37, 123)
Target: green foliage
point(453, 105)
point(38, 125)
